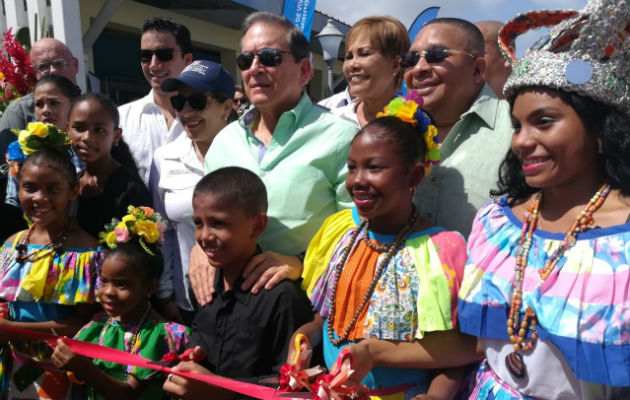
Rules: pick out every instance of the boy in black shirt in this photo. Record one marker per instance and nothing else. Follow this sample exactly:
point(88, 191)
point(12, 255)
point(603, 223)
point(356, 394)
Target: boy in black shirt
point(244, 336)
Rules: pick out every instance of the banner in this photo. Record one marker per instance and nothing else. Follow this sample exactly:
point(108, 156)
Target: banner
point(425, 16)
point(300, 12)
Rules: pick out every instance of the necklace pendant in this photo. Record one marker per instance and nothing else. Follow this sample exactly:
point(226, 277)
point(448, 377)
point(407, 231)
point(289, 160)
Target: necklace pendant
point(516, 366)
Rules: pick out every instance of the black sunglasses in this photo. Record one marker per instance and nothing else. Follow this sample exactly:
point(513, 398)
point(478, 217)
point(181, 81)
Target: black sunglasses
point(267, 57)
point(432, 56)
point(197, 101)
point(162, 54)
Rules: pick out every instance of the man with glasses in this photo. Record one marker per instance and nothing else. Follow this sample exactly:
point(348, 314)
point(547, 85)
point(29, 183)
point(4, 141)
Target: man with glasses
point(48, 56)
point(445, 66)
point(240, 101)
point(297, 148)
point(150, 122)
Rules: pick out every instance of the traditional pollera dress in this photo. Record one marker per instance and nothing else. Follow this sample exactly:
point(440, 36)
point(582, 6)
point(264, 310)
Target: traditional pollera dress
point(415, 294)
point(583, 310)
point(46, 287)
point(155, 339)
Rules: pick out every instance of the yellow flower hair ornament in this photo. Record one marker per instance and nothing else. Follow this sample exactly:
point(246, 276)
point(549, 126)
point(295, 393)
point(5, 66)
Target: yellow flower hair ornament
point(39, 136)
point(407, 108)
point(140, 222)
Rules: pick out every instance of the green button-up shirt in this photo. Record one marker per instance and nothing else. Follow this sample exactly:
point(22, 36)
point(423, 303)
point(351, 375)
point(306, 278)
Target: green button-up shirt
point(303, 168)
point(471, 154)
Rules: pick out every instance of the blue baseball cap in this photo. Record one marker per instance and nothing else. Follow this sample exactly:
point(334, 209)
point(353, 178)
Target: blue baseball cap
point(203, 76)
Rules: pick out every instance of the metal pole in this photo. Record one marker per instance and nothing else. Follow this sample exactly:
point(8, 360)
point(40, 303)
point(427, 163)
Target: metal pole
point(330, 91)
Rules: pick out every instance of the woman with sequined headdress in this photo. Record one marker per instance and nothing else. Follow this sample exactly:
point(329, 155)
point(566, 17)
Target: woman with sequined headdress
point(546, 287)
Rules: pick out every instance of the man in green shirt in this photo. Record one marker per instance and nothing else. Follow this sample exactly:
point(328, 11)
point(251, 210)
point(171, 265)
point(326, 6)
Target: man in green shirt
point(297, 148)
point(474, 127)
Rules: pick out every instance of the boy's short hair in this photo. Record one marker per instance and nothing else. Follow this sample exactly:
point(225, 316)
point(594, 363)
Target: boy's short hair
point(240, 186)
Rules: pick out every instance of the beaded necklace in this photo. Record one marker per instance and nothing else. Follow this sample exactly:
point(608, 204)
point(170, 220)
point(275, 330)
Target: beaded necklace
point(132, 342)
point(516, 327)
point(53, 246)
point(389, 248)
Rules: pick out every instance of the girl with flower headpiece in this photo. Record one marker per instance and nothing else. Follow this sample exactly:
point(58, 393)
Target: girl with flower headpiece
point(546, 287)
point(47, 272)
point(129, 276)
point(380, 272)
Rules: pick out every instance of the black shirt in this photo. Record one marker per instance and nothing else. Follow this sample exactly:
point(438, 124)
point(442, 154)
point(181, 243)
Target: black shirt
point(123, 188)
point(246, 336)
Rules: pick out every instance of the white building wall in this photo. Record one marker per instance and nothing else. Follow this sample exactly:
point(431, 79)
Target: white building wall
point(62, 17)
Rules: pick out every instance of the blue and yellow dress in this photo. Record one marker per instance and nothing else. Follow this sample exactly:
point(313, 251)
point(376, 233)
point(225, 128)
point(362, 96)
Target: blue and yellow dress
point(48, 286)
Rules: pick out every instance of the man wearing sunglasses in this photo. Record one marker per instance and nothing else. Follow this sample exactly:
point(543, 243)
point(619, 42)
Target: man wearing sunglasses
point(297, 148)
point(240, 101)
point(48, 56)
point(150, 122)
point(445, 66)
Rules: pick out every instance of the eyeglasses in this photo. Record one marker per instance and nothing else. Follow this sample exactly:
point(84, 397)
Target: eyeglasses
point(267, 57)
point(432, 56)
point(197, 101)
point(163, 55)
point(44, 66)
point(240, 101)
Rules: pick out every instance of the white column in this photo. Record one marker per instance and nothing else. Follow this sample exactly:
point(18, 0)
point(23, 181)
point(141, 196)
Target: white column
point(3, 18)
point(66, 21)
point(38, 14)
point(16, 14)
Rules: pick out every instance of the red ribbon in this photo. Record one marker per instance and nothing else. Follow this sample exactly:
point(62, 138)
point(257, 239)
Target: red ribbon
point(92, 350)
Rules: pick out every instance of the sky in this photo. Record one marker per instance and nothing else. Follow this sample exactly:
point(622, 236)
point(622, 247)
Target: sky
point(472, 10)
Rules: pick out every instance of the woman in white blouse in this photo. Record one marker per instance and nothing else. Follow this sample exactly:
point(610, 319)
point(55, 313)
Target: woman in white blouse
point(204, 107)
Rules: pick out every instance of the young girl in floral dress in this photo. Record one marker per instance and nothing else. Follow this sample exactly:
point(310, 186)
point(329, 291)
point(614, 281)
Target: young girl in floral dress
point(379, 273)
point(130, 274)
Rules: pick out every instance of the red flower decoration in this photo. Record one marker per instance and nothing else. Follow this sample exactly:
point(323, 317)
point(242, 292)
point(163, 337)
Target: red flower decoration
point(170, 357)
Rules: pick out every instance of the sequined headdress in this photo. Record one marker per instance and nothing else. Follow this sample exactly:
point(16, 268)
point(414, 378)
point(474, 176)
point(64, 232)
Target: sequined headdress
point(407, 108)
point(587, 52)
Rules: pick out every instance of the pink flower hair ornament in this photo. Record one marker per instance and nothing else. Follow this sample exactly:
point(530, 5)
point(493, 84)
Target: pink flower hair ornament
point(141, 222)
point(407, 108)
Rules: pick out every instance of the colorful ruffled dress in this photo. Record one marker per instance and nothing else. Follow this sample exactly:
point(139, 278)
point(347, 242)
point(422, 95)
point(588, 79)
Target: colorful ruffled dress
point(47, 289)
point(583, 310)
point(415, 294)
point(156, 338)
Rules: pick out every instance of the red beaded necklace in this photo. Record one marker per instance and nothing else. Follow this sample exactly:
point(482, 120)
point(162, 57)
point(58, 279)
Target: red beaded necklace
point(516, 327)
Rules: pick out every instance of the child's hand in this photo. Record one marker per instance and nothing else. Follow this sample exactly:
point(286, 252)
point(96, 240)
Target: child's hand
point(362, 361)
point(64, 358)
point(180, 387)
